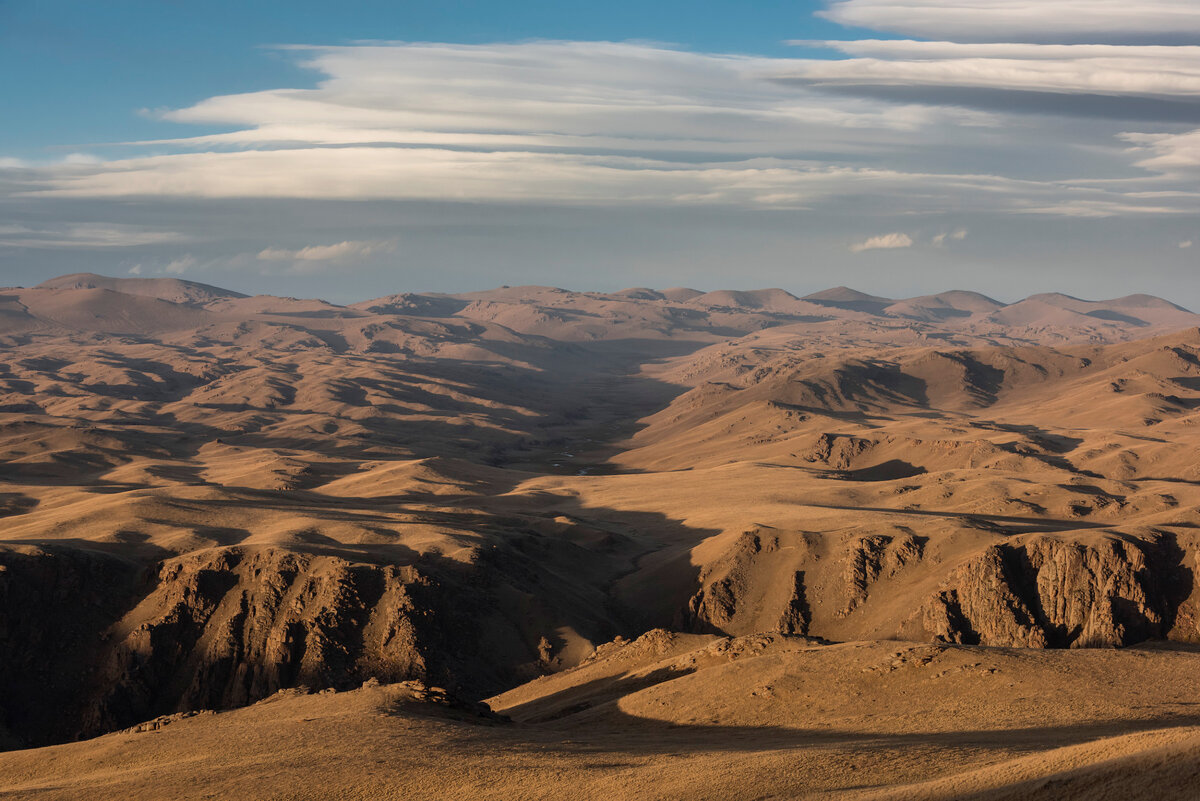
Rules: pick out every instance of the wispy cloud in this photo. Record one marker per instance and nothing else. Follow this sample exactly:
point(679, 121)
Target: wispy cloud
point(313, 259)
point(1187, 243)
point(81, 158)
point(85, 235)
point(1113, 70)
point(883, 242)
point(955, 236)
point(368, 173)
point(605, 123)
point(1022, 20)
point(1167, 153)
point(350, 250)
point(558, 96)
point(180, 265)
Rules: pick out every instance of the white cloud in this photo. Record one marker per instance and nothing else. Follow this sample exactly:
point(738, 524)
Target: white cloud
point(621, 124)
point(181, 265)
point(883, 242)
point(1151, 71)
point(342, 251)
point(81, 158)
point(85, 235)
point(1099, 209)
point(1022, 20)
point(560, 95)
point(135, 269)
point(1167, 153)
point(957, 236)
point(366, 173)
point(919, 49)
point(1187, 243)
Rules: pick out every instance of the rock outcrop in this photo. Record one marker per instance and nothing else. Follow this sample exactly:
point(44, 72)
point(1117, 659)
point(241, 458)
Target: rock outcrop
point(95, 644)
point(1052, 592)
point(226, 628)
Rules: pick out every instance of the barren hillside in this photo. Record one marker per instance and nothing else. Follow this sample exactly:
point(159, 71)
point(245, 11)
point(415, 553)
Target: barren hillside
point(860, 530)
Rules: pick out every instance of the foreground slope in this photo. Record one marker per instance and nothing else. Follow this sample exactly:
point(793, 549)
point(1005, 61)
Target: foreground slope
point(671, 716)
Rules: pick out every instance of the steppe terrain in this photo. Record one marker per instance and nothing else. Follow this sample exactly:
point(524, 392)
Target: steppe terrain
point(533, 543)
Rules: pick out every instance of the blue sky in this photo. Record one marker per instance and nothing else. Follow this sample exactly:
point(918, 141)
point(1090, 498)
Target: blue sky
point(354, 150)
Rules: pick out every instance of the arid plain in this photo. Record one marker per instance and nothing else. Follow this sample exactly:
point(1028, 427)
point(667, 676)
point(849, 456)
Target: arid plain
point(534, 543)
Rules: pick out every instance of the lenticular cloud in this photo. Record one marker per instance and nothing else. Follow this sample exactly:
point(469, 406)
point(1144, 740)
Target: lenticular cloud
point(1024, 20)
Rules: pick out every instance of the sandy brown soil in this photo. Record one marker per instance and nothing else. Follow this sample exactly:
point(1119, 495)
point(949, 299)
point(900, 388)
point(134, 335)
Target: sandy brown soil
point(926, 523)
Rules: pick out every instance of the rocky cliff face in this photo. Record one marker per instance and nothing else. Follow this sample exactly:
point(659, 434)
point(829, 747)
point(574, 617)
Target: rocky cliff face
point(227, 628)
point(1052, 592)
point(94, 643)
point(1039, 591)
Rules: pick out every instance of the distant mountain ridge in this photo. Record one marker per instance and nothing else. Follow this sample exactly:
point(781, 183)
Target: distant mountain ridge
point(87, 301)
point(175, 290)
